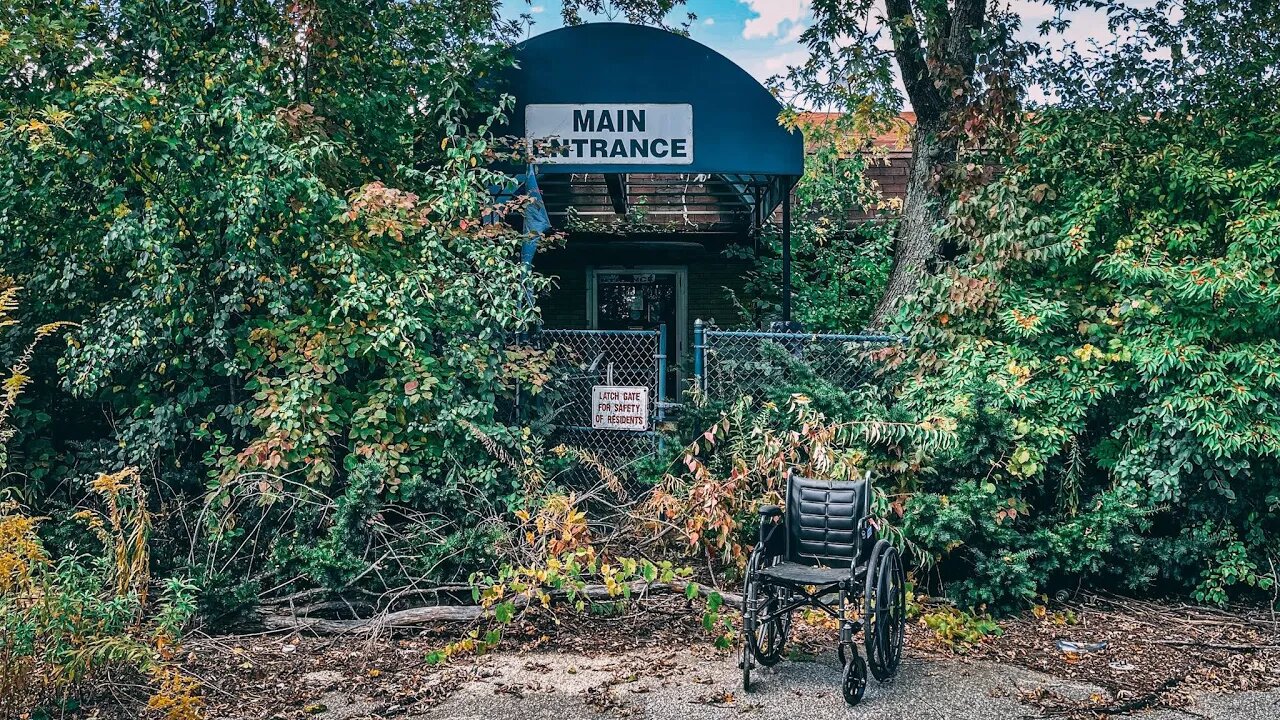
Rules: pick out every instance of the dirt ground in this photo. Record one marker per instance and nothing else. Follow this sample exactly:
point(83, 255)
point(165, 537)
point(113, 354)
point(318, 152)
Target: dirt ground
point(656, 661)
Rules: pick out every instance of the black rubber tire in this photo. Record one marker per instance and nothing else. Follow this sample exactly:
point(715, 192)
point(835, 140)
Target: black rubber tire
point(853, 684)
point(880, 547)
point(900, 616)
point(749, 649)
point(885, 613)
point(869, 604)
point(771, 637)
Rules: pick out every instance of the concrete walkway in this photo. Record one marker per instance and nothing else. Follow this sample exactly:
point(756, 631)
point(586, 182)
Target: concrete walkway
point(682, 685)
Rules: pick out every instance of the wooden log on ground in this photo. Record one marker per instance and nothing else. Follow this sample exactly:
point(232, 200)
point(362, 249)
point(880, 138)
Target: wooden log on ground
point(441, 614)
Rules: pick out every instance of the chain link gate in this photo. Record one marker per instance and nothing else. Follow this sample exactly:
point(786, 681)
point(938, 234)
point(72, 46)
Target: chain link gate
point(729, 363)
point(586, 359)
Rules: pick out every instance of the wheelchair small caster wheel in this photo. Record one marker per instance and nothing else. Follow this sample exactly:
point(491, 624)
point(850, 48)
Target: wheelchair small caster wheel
point(855, 680)
point(747, 653)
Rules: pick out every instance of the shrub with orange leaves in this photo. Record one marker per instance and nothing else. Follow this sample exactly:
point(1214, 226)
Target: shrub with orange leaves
point(741, 461)
point(557, 527)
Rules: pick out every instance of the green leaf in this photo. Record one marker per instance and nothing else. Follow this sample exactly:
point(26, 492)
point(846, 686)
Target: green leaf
point(504, 611)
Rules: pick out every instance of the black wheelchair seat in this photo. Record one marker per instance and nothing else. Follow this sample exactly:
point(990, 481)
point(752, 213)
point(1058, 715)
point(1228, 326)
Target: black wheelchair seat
point(795, 573)
point(824, 543)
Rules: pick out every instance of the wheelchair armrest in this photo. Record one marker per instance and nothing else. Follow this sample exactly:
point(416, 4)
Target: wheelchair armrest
point(867, 535)
point(773, 531)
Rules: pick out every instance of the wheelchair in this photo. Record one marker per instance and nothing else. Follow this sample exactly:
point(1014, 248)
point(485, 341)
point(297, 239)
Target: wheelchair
point(824, 544)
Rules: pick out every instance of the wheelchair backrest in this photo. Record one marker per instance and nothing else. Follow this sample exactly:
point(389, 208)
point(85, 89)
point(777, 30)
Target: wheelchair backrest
point(824, 519)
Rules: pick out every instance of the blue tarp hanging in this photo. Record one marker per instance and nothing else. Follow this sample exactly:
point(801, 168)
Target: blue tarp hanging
point(536, 222)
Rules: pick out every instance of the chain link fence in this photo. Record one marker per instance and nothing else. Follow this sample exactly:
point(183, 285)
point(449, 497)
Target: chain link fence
point(729, 364)
point(584, 360)
point(726, 364)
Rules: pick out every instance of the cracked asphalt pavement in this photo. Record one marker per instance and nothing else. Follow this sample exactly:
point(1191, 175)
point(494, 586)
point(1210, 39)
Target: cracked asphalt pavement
point(702, 683)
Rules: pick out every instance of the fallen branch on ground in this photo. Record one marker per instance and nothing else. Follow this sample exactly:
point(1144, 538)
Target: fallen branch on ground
point(1144, 702)
point(437, 614)
point(1215, 646)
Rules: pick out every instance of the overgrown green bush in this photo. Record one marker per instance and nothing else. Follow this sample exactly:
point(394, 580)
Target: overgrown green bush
point(708, 497)
point(1103, 349)
point(269, 219)
point(1108, 341)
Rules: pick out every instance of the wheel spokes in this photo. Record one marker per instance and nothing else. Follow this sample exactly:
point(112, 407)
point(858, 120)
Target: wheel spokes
point(770, 635)
point(886, 612)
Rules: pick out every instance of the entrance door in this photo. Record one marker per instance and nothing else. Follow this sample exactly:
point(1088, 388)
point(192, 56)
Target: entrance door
point(642, 299)
point(635, 300)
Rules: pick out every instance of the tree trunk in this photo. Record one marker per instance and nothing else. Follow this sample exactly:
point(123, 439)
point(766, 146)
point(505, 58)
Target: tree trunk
point(281, 619)
point(937, 80)
point(916, 241)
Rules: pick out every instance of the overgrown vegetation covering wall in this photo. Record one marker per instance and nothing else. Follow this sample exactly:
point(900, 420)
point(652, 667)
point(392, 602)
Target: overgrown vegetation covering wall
point(1108, 343)
point(839, 267)
point(1100, 347)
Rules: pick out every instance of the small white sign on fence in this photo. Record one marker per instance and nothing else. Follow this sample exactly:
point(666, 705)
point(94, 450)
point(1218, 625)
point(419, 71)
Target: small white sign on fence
point(619, 407)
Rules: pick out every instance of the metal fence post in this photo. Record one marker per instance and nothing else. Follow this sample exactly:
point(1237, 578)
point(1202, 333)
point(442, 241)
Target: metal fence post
point(660, 402)
point(699, 348)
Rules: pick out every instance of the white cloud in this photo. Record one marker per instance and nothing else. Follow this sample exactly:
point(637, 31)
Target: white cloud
point(771, 15)
point(793, 35)
point(763, 67)
point(779, 24)
point(709, 21)
point(537, 9)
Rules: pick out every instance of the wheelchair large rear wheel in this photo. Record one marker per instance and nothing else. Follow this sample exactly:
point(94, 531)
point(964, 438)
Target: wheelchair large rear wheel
point(770, 636)
point(753, 631)
point(885, 612)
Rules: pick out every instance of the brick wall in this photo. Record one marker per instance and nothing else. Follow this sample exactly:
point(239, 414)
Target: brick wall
point(708, 297)
point(890, 174)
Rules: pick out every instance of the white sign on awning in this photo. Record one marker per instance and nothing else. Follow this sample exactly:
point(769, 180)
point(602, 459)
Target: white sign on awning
point(610, 134)
point(619, 407)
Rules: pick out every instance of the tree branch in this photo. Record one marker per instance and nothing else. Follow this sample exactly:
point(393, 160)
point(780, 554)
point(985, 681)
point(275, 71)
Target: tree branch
point(436, 614)
point(968, 20)
point(925, 99)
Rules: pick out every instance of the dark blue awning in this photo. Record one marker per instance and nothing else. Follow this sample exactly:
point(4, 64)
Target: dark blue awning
point(649, 113)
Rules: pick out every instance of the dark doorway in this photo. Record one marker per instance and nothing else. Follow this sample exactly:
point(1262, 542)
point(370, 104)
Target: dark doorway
point(640, 300)
point(635, 300)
